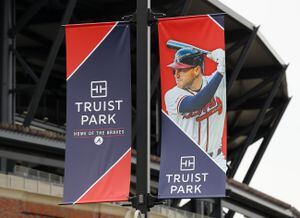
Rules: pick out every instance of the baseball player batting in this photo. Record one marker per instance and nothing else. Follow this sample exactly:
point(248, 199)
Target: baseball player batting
point(197, 103)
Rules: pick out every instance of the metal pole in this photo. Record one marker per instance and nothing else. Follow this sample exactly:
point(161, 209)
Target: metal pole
point(6, 60)
point(218, 209)
point(4, 56)
point(143, 104)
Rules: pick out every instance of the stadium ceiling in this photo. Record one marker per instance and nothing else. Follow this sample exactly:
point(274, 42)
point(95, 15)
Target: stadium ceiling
point(256, 81)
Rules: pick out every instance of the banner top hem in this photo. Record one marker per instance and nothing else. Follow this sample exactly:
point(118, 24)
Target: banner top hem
point(190, 16)
point(94, 24)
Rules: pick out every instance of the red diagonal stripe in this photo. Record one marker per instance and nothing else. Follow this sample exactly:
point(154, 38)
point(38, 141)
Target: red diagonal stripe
point(114, 186)
point(81, 40)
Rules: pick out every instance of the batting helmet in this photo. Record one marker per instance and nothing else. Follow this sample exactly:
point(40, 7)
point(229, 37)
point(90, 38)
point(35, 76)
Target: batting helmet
point(187, 58)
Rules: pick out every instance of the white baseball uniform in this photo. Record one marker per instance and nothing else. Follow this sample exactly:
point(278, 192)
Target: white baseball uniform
point(205, 126)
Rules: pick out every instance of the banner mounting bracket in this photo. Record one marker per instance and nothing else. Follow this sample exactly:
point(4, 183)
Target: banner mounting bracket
point(144, 202)
point(152, 17)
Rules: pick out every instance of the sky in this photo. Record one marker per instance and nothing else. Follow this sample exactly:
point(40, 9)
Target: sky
point(279, 171)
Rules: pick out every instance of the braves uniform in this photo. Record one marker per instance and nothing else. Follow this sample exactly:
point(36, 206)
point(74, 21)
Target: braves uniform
point(204, 126)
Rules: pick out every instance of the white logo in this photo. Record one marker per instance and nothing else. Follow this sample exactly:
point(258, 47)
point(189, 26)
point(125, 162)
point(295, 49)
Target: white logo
point(98, 140)
point(98, 89)
point(187, 163)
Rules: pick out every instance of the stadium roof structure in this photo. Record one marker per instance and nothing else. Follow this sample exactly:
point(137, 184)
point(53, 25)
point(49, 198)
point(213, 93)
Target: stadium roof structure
point(35, 52)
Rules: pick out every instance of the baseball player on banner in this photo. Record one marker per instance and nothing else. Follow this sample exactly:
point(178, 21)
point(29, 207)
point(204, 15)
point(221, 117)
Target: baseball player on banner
point(197, 102)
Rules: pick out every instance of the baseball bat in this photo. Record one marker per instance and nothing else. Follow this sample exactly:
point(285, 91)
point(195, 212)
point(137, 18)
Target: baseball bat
point(178, 45)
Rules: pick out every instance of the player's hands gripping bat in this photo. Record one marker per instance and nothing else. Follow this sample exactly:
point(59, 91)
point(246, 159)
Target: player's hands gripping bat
point(218, 56)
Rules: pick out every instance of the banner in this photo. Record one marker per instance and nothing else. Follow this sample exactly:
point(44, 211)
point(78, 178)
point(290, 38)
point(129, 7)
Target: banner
point(98, 136)
point(193, 93)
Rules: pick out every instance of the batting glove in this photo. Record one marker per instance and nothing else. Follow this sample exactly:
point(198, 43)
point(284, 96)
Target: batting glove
point(218, 56)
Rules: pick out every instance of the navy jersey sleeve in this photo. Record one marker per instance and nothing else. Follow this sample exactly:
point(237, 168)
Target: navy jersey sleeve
point(198, 101)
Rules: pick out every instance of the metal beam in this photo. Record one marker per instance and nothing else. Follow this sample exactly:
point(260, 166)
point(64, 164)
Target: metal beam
point(21, 139)
point(242, 59)
point(235, 164)
point(177, 7)
point(257, 103)
point(235, 35)
point(37, 37)
point(252, 92)
point(263, 146)
point(257, 72)
point(49, 64)
point(240, 130)
point(26, 67)
point(186, 7)
point(235, 207)
point(30, 158)
point(252, 200)
point(28, 15)
point(236, 46)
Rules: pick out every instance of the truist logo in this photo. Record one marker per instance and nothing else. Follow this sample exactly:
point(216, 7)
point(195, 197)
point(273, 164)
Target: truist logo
point(98, 89)
point(187, 163)
point(100, 110)
point(187, 181)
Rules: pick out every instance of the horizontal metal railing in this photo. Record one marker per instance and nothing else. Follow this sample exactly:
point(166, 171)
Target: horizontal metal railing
point(33, 181)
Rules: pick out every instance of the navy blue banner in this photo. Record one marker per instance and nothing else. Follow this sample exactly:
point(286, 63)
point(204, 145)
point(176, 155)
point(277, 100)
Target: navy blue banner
point(193, 93)
point(186, 171)
point(98, 139)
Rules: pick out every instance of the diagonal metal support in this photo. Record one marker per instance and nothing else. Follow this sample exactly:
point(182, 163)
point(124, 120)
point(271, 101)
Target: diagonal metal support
point(242, 59)
point(233, 105)
point(37, 37)
point(186, 7)
point(30, 13)
point(49, 64)
point(246, 131)
point(236, 162)
point(263, 146)
point(235, 46)
point(261, 151)
point(26, 67)
point(238, 131)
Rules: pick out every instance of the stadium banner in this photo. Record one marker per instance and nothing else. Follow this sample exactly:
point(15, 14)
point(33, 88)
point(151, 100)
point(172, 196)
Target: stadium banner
point(98, 135)
point(193, 108)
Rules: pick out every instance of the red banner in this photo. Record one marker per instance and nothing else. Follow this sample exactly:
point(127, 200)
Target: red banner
point(193, 93)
